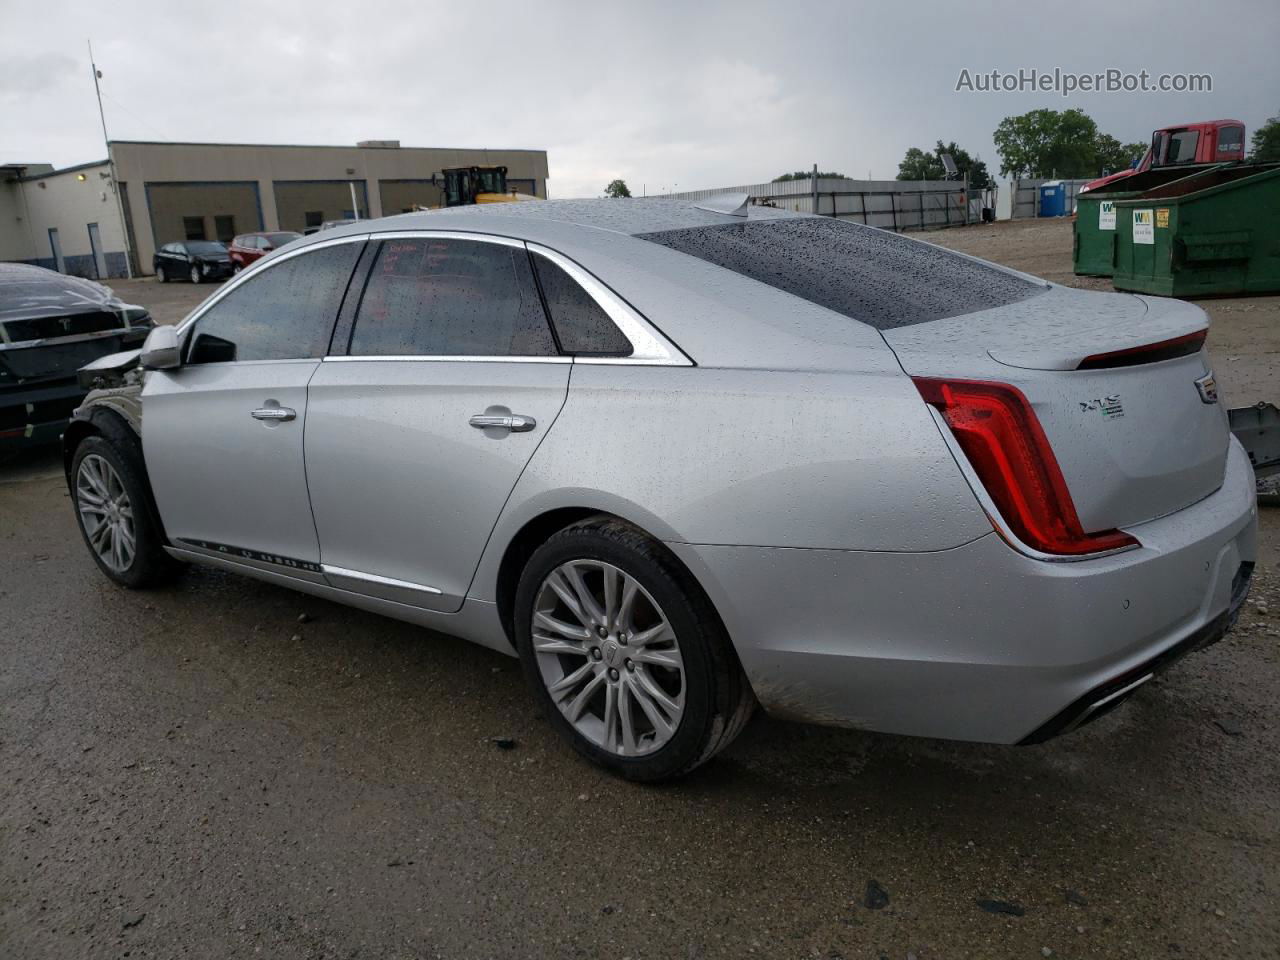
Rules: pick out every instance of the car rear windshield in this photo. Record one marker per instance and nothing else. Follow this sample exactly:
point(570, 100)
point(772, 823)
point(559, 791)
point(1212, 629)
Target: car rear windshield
point(874, 276)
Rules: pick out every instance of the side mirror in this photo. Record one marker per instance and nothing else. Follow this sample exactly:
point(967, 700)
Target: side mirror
point(160, 349)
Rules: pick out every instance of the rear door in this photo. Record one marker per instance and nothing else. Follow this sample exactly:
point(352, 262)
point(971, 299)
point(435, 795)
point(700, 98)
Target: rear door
point(416, 437)
point(222, 434)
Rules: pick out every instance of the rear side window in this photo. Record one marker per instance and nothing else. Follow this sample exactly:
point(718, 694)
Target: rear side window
point(283, 313)
point(1231, 140)
point(581, 324)
point(874, 276)
point(438, 297)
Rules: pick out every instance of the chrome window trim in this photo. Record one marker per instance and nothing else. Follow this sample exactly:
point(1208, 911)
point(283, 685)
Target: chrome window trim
point(649, 346)
point(993, 514)
point(328, 569)
point(263, 263)
point(448, 235)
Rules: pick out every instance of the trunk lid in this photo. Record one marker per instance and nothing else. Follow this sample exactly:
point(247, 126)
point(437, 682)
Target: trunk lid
point(1135, 440)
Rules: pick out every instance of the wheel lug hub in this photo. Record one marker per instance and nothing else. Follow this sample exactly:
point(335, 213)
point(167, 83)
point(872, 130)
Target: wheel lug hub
point(613, 674)
point(622, 639)
point(630, 667)
point(601, 632)
point(595, 653)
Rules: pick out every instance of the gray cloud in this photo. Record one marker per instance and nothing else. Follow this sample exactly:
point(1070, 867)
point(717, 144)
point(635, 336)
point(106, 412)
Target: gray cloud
point(660, 94)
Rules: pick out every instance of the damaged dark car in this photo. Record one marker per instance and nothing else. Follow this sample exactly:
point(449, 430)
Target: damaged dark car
point(50, 326)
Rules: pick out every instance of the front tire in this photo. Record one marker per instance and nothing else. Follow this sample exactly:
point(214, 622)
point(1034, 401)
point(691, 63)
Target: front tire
point(195, 273)
point(625, 653)
point(114, 516)
point(161, 276)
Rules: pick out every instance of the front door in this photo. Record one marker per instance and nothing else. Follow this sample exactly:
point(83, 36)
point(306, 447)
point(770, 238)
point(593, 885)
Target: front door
point(95, 245)
point(222, 434)
point(55, 245)
point(416, 438)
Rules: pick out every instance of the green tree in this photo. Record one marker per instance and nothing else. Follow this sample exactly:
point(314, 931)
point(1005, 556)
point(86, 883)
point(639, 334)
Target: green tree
point(808, 175)
point(617, 188)
point(1266, 141)
point(1110, 155)
point(927, 165)
point(1045, 143)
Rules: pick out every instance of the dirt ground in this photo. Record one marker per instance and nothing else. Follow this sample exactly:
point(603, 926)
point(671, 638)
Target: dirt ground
point(193, 772)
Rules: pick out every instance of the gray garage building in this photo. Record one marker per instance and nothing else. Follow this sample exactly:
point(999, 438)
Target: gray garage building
point(70, 220)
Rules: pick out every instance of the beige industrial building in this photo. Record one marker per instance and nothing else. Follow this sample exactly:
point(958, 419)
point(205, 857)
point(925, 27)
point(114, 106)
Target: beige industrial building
point(71, 220)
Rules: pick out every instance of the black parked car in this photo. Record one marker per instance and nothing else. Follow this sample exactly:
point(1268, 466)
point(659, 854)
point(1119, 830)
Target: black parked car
point(50, 326)
point(196, 260)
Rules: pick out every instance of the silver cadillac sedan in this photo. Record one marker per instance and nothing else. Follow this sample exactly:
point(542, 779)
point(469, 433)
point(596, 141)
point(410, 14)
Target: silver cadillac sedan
point(682, 458)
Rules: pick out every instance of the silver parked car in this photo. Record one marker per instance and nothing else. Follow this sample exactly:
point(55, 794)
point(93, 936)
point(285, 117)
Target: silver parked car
point(681, 459)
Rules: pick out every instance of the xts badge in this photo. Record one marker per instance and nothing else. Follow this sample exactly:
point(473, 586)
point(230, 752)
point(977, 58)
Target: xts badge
point(1109, 407)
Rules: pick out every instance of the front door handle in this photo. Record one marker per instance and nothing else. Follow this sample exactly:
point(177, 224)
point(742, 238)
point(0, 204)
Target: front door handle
point(274, 413)
point(513, 422)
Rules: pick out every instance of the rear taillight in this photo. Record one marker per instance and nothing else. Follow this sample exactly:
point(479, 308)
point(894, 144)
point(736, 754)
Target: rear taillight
point(1147, 353)
point(1004, 442)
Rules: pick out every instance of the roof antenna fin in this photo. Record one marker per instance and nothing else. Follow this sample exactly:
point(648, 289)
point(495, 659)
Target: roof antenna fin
point(730, 204)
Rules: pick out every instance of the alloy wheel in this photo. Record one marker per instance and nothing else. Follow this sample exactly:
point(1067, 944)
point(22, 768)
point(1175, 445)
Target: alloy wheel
point(609, 657)
point(195, 274)
point(106, 513)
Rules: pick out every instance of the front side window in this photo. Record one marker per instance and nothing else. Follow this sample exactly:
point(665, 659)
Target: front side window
point(284, 313)
point(444, 297)
point(581, 324)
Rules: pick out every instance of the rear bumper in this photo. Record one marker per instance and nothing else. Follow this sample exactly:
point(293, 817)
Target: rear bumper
point(979, 642)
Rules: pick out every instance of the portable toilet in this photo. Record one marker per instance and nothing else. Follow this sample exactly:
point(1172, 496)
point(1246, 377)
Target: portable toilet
point(1053, 199)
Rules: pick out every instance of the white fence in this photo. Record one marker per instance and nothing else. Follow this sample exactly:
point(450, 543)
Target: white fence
point(890, 204)
point(1026, 196)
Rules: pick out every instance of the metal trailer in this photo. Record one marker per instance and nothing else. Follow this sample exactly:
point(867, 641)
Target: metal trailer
point(1093, 253)
point(1214, 233)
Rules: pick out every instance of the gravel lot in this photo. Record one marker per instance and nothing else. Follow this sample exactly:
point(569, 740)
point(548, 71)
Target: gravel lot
point(225, 768)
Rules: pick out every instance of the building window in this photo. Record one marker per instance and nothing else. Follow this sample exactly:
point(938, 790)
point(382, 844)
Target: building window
point(225, 227)
point(315, 218)
point(193, 228)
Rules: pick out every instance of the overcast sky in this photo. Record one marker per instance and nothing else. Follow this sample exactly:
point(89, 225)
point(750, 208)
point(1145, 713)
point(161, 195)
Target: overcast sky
point(660, 94)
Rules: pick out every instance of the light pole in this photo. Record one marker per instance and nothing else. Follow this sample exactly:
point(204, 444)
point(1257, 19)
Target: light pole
point(111, 166)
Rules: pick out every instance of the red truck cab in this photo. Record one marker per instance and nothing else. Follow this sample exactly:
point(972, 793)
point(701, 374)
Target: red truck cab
point(1189, 144)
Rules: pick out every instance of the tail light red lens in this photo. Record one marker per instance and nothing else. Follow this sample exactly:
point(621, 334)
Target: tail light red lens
point(1004, 442)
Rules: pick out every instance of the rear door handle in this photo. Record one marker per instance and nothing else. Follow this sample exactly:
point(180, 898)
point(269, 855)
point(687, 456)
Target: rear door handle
point(513, 422)
point(274, 413)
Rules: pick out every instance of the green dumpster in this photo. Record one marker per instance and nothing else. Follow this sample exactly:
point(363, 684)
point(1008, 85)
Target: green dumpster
point(1095, 226)
point(1214, 233)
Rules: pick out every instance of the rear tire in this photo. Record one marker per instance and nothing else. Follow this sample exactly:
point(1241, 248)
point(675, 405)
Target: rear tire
point(113, 511)
point(648, 688)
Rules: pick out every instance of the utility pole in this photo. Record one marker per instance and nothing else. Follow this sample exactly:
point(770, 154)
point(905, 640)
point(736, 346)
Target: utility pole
point(814, 183)
point(111, 168)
